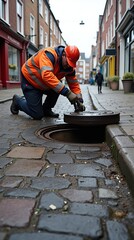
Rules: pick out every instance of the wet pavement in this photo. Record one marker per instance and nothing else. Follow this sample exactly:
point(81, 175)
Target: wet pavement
point(64, 191)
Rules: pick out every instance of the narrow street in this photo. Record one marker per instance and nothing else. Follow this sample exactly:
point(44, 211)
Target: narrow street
point(57, 190)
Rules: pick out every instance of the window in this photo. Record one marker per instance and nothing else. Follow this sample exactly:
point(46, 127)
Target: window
point(13, 64)
point(127, 4)
point(51, 22)
point(51, 42)
point(46, 15)
point(119, 11)
point(132, 58)
point(46, 39)
point(41, 7)
point(41, 36)
point(114, 21)
point(4, 13)
point(20, 25)
point(32, 29)
point(132, 35)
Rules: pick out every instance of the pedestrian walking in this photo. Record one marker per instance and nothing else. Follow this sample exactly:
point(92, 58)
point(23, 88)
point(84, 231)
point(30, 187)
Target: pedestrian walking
point(43, 74)
point(99, 79)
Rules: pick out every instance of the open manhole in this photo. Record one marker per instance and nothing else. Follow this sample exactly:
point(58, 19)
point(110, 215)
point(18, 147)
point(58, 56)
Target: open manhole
point(82, 127)
point(73, 134)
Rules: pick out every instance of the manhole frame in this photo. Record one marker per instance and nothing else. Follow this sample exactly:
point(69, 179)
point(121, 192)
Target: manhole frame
point(45, 132)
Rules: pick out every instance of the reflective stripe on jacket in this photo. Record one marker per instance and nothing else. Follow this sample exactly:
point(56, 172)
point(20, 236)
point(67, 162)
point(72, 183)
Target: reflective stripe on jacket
point(45, 74)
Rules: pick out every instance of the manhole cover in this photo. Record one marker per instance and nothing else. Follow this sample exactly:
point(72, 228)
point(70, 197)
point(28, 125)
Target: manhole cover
point(95, 117)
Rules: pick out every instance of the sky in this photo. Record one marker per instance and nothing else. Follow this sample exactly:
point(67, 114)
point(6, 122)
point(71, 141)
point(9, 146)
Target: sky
point(70, 13)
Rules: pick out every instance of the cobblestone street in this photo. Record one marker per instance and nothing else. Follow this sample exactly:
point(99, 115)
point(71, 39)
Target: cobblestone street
point(57, 190)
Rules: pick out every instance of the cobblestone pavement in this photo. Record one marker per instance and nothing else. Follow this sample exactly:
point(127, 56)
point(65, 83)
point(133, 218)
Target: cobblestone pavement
point(56, 190)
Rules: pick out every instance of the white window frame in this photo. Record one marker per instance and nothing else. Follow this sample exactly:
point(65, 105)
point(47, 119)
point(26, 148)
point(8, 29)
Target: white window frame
point(46, 39)
point(46, 15)
point(6, 10)
point(32, 29)
point(20, 17)
point(114, 21)
point(41, 7)
point(119, 11)
point(51, 22)
point(41, 35)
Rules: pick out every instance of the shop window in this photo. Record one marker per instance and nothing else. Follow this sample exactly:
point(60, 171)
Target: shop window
point(132, 35)
point(127, 40)
point(127, 59)
point(132, 58)
point(13, 64)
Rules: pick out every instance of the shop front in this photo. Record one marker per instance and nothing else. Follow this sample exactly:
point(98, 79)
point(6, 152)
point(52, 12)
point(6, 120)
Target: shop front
point(126, 31)
point(13, 48)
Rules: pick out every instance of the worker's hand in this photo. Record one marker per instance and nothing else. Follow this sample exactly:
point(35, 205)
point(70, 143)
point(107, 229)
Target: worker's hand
point(79, 107)
point(72, 97)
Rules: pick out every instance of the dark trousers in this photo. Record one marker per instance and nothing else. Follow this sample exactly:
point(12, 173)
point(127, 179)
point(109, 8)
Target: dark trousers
point(99, 88)
point(32, 104)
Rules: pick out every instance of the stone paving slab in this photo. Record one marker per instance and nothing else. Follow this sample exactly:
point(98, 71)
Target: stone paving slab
point(95, 210)
point(77, 195)
point(67, 223)
point(117, 231)
point(26, 152)
point(81, 170)
point(10, 182)
point(15, 212)
point(50, 183)
point(43, 236)
point(25, 167)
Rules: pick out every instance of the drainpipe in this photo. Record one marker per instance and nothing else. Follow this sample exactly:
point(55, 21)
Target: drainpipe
point(49, 30)
point(116, 47)
point(38, 24)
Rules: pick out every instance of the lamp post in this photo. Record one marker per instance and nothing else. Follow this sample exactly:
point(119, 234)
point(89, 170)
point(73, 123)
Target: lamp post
point(81, 23)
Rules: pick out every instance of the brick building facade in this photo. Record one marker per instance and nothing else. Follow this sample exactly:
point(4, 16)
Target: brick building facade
point(115, 39)
point(25, 27)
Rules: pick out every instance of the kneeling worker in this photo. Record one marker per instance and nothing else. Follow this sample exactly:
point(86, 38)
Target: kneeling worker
point(42, 74)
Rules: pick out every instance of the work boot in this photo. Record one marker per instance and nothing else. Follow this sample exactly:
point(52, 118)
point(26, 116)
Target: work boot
point(14, 107)
point(50, 113)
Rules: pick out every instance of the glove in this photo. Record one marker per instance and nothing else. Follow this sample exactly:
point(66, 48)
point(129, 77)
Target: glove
point(79, 107)
point(72, 97)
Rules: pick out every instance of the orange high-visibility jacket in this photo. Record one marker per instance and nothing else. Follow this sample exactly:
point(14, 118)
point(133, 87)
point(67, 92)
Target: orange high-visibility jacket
point(44, 71)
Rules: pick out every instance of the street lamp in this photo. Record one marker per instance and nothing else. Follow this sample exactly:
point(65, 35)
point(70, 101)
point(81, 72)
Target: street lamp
point(82, 23)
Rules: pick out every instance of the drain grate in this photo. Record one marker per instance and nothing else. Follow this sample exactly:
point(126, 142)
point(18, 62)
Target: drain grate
point(73, 134)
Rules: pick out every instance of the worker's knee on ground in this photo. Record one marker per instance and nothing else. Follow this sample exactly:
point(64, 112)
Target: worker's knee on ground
point(37, 118)
point(37, 115)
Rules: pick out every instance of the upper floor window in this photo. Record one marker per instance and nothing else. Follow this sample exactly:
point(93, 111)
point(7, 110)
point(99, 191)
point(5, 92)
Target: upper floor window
point(4, 13)
point(20, 25)
point(127, 4)
point(46, 39)
point(51, 23)
point(41, 7)
point(32, 29)
point(119, 11)
point(41, 35)
point(46, 15)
